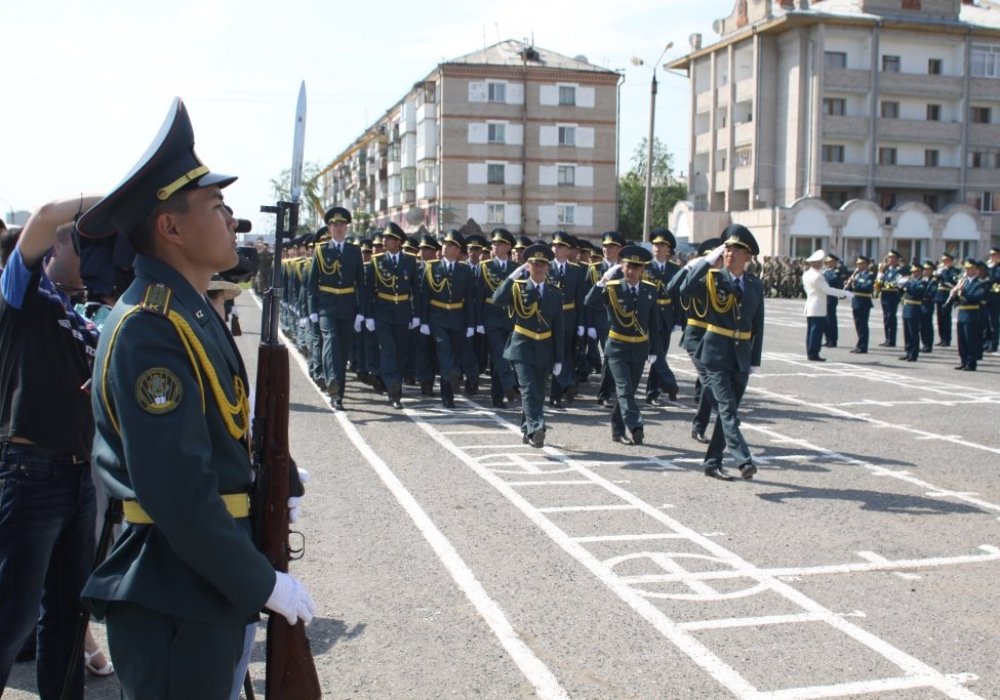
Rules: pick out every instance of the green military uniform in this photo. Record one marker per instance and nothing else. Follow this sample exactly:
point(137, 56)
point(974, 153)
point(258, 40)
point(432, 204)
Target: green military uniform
point(536, 342)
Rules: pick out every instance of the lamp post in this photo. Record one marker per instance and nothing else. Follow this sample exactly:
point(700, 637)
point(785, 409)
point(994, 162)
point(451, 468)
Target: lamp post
point(649, 144)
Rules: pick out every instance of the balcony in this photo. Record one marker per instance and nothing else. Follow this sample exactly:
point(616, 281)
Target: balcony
point(845, 128)
point(919, 131)
point(984, 135)
point(986, 89)
point(847, 80)
point(426, 111)
point(743, 177)
point(703, 101)
point(394, 168)
point(703, 142)
point(744, 90)
point(843, 174)
point(426, 190)
point(744, 133)
point(408, 118)
point(944, 87)
point(916, 177)
point(982, 178)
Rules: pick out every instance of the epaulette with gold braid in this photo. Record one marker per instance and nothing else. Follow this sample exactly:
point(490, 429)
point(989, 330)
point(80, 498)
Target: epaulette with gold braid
point(157, 299)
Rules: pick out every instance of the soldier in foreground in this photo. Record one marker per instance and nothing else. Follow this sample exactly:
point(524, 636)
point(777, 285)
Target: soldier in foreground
point(171, 410)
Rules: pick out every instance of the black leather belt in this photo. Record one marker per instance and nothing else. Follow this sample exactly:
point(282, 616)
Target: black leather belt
point(20, 448)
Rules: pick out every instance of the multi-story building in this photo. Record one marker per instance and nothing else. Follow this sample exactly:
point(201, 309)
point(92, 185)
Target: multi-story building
point(853, 125)
point(513, 136)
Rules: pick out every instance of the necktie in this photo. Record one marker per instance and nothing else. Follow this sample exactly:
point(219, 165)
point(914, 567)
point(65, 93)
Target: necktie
point(540, 291)
point(739, 285)
point(635, 294)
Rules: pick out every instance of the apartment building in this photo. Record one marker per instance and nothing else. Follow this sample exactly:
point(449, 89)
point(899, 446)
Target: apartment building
point(853, 125)
point(513, 136)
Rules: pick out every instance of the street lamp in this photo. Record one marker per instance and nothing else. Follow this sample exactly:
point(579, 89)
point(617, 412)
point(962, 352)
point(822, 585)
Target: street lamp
point(636, 61)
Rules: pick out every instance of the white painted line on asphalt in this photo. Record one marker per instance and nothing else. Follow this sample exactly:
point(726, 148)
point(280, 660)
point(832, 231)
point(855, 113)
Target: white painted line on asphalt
point(534, 670)
point(630, 538)
point(564, 482)
point(585, 509)
point(858, 688)
point(749, 621)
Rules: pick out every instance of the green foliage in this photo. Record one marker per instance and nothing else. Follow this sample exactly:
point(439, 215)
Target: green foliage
point(311, 207)
point(665, 191)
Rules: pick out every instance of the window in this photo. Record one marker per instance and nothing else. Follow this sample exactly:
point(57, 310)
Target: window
point(567, 135)
point(986, 202)
point(565, 214)
point(890, 64)
point(494, 213)
point(700, 202)
point(496, 133)
point(890, 110)
point(743, 156)
point(567, 175)
point(494, 173)
point(833, 154)
point(567, 95)
point(931, 158)
point(934, 66)
point(834, 106)
point(932, 201)
point(933, 113)
point(887, 200)
point(985, 61)
point(835, 59)
point(977, 159)
point(980, 115)
point(886, 156)
point(496, 92)
point(835, 198)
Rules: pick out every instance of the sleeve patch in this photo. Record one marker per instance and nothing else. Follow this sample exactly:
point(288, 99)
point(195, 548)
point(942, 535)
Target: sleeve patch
point(158, 391)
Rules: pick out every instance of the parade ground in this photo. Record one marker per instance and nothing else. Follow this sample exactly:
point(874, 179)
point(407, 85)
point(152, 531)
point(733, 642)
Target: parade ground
point(448, 559)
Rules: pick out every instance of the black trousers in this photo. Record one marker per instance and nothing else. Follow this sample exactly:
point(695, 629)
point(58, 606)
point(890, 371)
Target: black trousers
point(861, 327)
point(728, 387)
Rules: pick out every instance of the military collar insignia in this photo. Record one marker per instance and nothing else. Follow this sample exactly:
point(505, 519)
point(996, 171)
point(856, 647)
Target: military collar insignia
point(158, 391)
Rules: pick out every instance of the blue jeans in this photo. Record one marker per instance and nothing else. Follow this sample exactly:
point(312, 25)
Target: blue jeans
point(46, 554)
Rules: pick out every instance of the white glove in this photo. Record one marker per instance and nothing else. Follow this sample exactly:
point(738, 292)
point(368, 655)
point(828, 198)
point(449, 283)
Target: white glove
point(557, 369)
point(592, 333)
point(469, 332)
point(295, 502)
point(303, 322)
point(611, 272)
point(848, 294)
point(481, 330)
point(425, 329)
point(370, 324)
point(414, 322)
point(715, 254)
point(579, 331)
point(651, 359)
point(291, 599)
point(358, 320)
point(314, 318)
point(518, 272)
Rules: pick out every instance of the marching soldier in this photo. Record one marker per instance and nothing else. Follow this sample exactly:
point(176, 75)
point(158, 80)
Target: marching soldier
point(597, 320)
point(947, 276)
point(570, 278)
point(448, 313)
point(421, 361)
point(536, 343)
point(496, 323)
point(992, 309)
point(862, 284)
point(393, 308)
point(835, 274)
point(660, 271)
point(733, 341)
point(928, 308)
point(887, 287)
point(629, 302)
point(172, 414)
point(970, 295)
point(336, 301)
point(476, 354)
point(913, 289)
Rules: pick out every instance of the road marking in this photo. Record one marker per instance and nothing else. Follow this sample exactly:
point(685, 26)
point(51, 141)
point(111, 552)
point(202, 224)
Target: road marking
point(534, 670)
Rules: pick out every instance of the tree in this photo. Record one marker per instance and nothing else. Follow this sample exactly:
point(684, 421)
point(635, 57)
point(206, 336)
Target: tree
point(311, 208)
point(665, 191)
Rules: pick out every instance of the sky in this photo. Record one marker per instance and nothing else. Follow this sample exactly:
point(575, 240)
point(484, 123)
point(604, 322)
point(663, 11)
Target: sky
point(86, 86)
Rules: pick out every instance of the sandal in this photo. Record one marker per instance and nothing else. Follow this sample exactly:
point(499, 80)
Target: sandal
point(88, 663)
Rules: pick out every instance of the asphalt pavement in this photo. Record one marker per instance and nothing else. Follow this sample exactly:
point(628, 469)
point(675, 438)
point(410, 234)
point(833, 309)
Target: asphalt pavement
point(448, 559)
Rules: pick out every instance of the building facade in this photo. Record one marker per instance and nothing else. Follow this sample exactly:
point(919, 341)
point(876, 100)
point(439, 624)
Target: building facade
point(512, 136)
point(853, 125)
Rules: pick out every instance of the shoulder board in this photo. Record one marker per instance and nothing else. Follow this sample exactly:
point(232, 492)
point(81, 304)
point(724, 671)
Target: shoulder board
point(573, 264)
point(520, 281)
point(157, 299)
point(651, 284)
point(377, 255)
point(613, 283)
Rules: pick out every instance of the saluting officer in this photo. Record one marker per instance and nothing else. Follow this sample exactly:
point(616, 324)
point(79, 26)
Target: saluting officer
point(536, 344)
point(169, 396)
point(448, 312)
point(570, 278)
point(862, 284)
point(733, 341)
point(887, 287)
point(947, 276)
point(660, 271)
point(597, 320)
point(629, 302)
point(336, 289)
point(393, 308)
point(496, 323)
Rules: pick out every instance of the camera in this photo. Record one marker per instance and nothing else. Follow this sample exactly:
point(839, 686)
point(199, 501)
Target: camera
point(246, 269)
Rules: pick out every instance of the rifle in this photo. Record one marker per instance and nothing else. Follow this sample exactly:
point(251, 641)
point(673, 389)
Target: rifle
point(290, 672)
